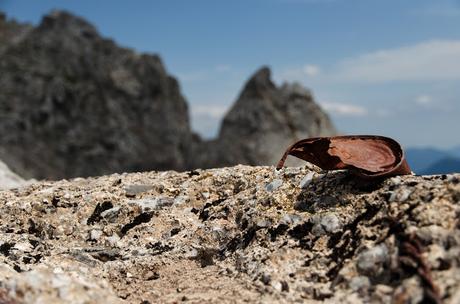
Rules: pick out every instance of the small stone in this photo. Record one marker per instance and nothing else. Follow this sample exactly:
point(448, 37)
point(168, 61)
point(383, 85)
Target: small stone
point(359, 283)
point(307, 180)
point(371, 260)
point(149, 204)
point(404, 195)
point(265, 278)
point(274, 185)
point(95, 234)
point(395, 181)
point(113, 240)
point(205, 195)
point(181, 199)
point(133, 190)
point(383, 289)
point(24, 247)
point(327, 223)
point(290, 219)
point(264, 223)
point(400, 196)
point(110, 214)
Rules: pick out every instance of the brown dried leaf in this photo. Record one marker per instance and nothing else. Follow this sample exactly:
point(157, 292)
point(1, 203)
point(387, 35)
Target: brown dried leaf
point(366, 156)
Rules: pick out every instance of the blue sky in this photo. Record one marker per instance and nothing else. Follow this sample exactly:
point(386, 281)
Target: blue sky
point(389, 67)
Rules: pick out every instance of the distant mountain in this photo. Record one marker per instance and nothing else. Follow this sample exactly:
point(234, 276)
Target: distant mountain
point(455, 151)
point(433, 161)
point(420, 159)
point(444, 166)
point(73, 103)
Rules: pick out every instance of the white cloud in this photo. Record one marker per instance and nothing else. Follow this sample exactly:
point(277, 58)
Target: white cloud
point(424, 99)
point(431, 60)
point(295, 74)
point(209, 110)
point(344, 109)
point(311, 70)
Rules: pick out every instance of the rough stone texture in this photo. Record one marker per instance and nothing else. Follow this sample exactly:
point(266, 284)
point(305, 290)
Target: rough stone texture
point(263, 122)
point(75, 104)
point(240, 234)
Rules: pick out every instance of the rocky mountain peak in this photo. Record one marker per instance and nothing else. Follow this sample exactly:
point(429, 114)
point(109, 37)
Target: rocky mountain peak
point(73, 103)
point(264, 121)
point(76, 104)
point(259, 84)
point(296, 89)
point(63, 21)
point(11, 31)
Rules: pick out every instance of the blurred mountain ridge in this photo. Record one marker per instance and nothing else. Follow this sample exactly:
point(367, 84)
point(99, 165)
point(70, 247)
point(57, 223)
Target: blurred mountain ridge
point(429, 160)
point(74, 103)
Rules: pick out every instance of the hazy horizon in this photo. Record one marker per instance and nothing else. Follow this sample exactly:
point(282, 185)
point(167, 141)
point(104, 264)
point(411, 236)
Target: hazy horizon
point(380, 67)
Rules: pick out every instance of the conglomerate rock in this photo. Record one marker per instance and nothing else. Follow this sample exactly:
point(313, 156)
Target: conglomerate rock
point(238, 234)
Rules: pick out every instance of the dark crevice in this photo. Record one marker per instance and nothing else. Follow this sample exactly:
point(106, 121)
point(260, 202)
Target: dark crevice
point(159, 248)
point(5, 248)
point(348, 240)
point(96, 216)
point(204, 212)
point(144, 217)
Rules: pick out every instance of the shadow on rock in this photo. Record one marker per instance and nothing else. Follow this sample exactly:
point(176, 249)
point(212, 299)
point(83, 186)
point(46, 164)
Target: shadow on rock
point(329, 190)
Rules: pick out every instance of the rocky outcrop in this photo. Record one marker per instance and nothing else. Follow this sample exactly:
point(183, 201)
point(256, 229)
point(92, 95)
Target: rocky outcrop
point(263, 122)
point(75, 104)
point(239, 234)
point(8, 179)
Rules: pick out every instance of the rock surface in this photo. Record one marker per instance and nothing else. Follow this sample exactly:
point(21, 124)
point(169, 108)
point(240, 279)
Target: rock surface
point(239, 234)
point(75, 104)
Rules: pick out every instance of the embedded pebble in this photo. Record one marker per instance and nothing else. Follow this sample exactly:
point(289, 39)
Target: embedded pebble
point(359, 283)
point(111, 213)
point(326, 223)
point(274, 185)
point(133, 190)
point(306, 181)
point(155, 203)
point(95, 234)
point(371, 260)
